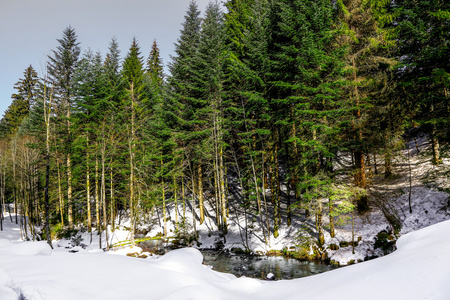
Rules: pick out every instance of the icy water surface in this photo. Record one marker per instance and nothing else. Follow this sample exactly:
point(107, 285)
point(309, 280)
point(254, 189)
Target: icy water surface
point(250, 265)
point(260, 266)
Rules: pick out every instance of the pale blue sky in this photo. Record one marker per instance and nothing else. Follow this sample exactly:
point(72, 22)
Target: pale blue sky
point(29, 29)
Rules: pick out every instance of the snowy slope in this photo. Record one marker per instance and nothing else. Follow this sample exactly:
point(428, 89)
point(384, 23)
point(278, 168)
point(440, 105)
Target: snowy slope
point(419, 269)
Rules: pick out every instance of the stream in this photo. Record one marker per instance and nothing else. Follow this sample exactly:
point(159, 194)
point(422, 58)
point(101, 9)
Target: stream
point(260, 266)
point(253, 266)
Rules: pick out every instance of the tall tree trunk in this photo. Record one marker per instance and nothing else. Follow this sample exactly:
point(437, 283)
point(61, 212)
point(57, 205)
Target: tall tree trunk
point(97, 206)
point(222, 191)
point(321, 237)
point(387, 164)
point(375, 163)
point(88, 198)
point(69, 192)
point(200, 193)
point(132, 150)
point(410, 179)
point(332, 230)
point(194, 225)
point(47, 115)
point(277, 185)
point(183, 195)
point(435, 147)
point(163, 192)
point(263, 163)
point(14, 183)
point(103, 191)
point(60, 196)
point(175, 202)
point(112, 203)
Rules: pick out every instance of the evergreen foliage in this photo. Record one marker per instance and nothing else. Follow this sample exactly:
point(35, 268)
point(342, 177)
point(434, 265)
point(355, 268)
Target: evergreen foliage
point(260, 103)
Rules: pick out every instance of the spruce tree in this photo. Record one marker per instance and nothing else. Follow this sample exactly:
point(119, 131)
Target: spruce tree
point(132, 119)
point(249, 34)
point(367, 61)
point(423, 33)
point(22, 101)
point(61, 69)
point(306, 75)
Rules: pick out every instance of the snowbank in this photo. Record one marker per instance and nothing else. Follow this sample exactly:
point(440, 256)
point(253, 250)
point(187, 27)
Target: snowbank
point(419, 269)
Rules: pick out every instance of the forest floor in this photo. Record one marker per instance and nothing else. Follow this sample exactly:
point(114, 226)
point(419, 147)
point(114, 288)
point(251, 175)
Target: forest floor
point(418, 269)
point(77, 269)
point(415, 180)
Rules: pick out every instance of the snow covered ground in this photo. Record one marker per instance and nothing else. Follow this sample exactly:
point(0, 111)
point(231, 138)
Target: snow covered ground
point(419, 269)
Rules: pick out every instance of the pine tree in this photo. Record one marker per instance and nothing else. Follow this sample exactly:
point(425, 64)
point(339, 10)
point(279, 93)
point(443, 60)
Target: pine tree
point(132, 120)
point(22, 101)
point(204, 110)
point(367, 60)
point(61, 69)
point(112, 93)
point(422, 29)
point(307, 82)
point(249, 34)
point(180, 91)
point(185, 48)
point(155, 66)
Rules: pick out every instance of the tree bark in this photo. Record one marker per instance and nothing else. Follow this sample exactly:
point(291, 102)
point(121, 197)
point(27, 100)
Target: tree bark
point(200, 193)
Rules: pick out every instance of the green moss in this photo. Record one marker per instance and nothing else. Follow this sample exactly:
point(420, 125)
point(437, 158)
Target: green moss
point(301, 253)
point(335, 263)
point(137, 241)
point(241, 251)
point(60, 232)
point(385, 241)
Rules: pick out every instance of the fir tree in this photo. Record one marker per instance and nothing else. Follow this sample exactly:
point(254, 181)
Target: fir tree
point(423, 33)
point(22, 101)
point(61, 69)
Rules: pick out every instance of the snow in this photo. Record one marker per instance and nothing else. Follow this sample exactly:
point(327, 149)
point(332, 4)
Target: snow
point(418, 269)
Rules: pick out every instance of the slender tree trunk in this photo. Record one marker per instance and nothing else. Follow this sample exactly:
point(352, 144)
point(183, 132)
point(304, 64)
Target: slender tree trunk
point(375, 163)
point(387, 164)
point(132, 149)
point(200, 193)
point(175, 202)
point(276, 177)
point(435, 147)
point(332, 231)
point(417, 146)
point(112, 203)
point(193, 206)
point(103, 191)
point(183, 195)
point(410, 179)
point(353, 232)
point(267, 239)
point(60, 196)
point(69, 191)
point(369, 164)
point(47, 115)
point(321, 237)
point(88, 198)
point(222, 191)
point(97, 206)
point(163, 192)
point(15, 184)
point(216, 191)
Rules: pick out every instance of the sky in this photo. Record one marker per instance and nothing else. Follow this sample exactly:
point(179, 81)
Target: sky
point(29, 30)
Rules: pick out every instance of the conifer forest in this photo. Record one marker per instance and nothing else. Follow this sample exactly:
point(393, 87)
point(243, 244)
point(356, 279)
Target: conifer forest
point(259, 105)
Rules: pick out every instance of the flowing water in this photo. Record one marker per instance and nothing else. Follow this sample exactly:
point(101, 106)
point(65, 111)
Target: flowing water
point(261, 266)
point(250, 265)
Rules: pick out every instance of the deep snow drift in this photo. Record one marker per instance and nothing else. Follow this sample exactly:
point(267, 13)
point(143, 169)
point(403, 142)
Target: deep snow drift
point(419, 269)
